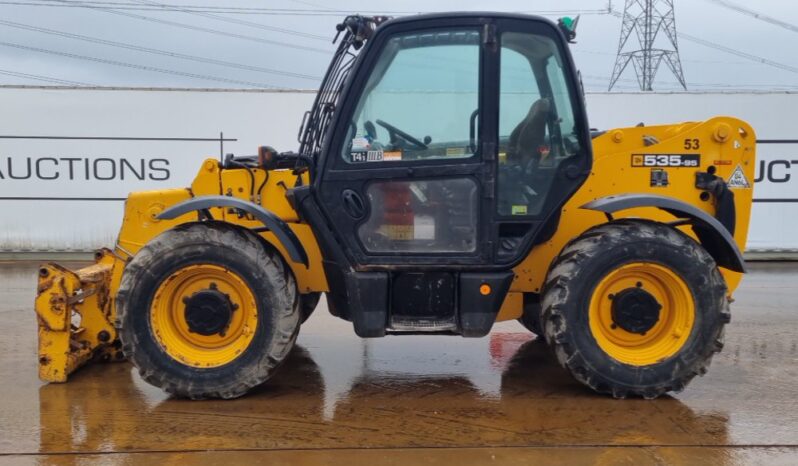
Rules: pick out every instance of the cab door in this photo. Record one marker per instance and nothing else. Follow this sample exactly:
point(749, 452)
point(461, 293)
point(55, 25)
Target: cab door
point(544, 150)
point(457, 143)
point(405, 180)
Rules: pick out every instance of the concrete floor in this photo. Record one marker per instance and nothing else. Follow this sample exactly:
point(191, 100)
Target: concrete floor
point(413, 400)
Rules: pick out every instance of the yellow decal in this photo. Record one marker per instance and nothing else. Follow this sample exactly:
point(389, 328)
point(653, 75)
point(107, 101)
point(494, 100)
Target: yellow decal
point(519, 210)
point(398, 232)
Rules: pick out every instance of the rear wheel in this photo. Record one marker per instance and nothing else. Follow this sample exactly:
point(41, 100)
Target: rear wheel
point(206, 311)
point(635, 308)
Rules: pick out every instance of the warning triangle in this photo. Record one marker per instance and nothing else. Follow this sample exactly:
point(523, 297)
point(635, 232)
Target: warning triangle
point(738, 179)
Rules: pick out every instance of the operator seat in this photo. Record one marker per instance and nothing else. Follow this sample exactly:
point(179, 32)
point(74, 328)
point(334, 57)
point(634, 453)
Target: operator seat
point(529, 135)
point(518, 184)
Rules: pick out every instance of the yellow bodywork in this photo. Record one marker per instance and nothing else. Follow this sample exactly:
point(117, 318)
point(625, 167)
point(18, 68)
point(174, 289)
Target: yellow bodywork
point(723, 143)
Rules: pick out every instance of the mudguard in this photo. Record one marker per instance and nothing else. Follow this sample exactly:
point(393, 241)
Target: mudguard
point(714, 237)
point(269, 220)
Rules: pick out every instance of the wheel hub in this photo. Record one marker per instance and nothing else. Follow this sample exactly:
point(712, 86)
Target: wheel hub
point(635, 310)
point(208, 312)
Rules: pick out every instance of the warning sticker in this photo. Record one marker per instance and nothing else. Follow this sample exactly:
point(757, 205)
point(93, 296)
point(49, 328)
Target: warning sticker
point(360, 145)
point(424, 227)
point(455, 151)
point(397, 232)
point(738, 179)
point(392, 156)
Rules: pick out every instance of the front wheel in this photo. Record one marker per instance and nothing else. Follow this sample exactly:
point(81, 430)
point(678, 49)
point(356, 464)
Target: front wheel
point(206, 311)
point(635, 308)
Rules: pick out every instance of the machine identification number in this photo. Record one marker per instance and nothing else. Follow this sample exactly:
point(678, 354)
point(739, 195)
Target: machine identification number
point(666, 160)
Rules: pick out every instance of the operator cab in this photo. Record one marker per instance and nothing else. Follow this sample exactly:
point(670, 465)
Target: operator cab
point(444, 151)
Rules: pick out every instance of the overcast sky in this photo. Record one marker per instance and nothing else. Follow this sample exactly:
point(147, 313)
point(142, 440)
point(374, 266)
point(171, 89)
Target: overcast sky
point(298, 50)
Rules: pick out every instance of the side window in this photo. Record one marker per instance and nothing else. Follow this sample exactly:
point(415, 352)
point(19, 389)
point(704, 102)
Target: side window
point(536, 122)
point(419, 100)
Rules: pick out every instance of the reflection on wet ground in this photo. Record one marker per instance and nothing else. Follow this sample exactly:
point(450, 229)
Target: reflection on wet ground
point(413, 400)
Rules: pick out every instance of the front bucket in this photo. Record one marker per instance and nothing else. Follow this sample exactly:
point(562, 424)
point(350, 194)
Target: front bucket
point(75, 317)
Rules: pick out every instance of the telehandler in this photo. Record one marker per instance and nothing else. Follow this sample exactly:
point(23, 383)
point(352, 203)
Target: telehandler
point(446, 179)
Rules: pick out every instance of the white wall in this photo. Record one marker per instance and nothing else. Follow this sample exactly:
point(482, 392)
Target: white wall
point(254, 118)
point(269, 118)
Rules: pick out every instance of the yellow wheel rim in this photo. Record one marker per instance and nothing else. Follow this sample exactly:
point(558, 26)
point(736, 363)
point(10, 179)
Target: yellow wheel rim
point(661, 340)
point(168, 316)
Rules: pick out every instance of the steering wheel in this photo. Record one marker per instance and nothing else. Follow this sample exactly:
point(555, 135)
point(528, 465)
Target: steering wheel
point(393, 130)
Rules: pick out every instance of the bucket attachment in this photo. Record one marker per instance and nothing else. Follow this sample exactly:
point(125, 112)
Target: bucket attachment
point(75, 315)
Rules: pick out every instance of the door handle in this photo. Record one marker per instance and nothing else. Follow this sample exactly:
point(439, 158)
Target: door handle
point(353, 204)
point(472, 131)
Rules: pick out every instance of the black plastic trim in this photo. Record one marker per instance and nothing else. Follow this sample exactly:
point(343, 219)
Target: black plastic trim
point(271, 221)
point(477, 310)
point(715, 238)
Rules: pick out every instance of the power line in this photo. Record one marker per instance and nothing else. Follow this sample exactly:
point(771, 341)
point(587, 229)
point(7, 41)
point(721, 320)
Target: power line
point(39, 77)
point(732, 51)
point(310, 4)
point(262, 11)
point(192, 27)
point(754, 14)
point(241, 22)
point(138, 48)
point(564, 12)
point(138, 66)
point(580, 50)
point(605, 79)
point(204, 8)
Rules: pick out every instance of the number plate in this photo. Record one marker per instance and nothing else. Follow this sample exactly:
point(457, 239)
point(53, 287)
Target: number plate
point(666, 160)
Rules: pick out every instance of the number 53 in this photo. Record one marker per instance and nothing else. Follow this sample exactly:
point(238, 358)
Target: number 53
point(692, 144)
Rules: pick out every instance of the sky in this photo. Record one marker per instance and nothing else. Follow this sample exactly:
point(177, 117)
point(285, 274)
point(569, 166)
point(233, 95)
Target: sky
point(277, 44)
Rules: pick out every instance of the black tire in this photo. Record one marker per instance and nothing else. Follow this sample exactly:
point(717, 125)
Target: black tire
point(530, 319)
point(571, 283)
point(238, 250)
point(307, 304)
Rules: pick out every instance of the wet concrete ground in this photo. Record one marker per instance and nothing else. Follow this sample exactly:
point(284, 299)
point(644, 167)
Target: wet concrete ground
point(413, 400)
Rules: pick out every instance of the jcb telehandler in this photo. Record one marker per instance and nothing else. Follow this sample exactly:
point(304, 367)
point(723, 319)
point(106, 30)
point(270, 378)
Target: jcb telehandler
point(446, 179)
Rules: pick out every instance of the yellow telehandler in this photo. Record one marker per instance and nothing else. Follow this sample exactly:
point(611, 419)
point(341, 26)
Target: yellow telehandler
point(446, 179)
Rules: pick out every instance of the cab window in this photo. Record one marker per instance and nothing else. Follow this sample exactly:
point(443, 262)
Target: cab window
point(536, 122)
point(420, 101)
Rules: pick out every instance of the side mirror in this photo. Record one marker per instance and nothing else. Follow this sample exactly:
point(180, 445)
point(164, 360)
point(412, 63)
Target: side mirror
point(568, 27)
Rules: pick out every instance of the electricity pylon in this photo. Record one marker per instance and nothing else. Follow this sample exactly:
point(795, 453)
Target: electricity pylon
point(649, 20)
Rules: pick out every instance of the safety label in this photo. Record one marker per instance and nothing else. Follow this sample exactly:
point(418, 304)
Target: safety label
point(738, 179)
